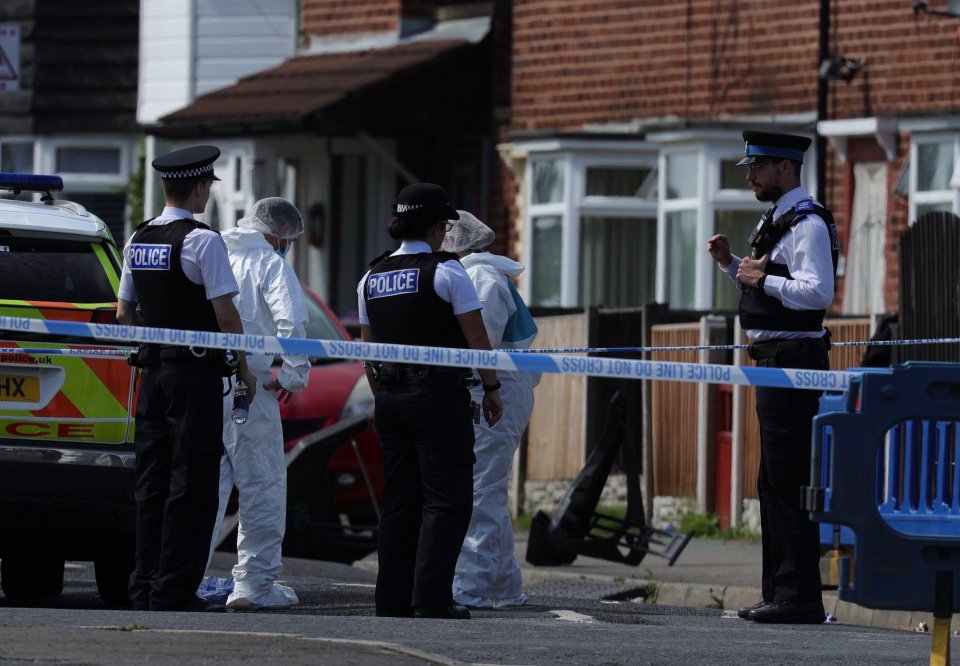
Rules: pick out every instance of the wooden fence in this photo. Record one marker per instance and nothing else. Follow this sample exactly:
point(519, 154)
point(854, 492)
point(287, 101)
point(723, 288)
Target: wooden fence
point(930, 287)
point(557, 442)
point(555, 438)
point(674, 410)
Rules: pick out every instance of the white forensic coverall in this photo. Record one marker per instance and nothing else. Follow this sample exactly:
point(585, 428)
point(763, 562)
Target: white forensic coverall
point(488, 574)
point(270, 303)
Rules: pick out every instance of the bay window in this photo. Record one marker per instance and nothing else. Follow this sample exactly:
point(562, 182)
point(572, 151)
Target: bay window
point(591, 224)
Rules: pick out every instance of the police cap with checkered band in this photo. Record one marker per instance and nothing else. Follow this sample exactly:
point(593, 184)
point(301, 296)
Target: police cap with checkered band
point(424, 202)
point(770, 145)
point(193, 162)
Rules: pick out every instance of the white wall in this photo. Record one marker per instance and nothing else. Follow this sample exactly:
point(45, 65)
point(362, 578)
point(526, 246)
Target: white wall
point(191, 47)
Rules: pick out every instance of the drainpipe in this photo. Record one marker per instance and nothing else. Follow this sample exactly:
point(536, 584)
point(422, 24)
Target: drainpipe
point(822, 91)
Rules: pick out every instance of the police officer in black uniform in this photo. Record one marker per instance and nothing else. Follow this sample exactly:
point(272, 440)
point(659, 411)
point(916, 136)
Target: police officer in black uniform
point(786, 286)
point(177, 270)
point(420, 296)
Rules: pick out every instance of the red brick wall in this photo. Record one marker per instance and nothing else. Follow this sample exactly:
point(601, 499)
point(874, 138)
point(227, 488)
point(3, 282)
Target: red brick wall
point(578, 62)
point(617, 60)
point(334, 17)
point(913, 63)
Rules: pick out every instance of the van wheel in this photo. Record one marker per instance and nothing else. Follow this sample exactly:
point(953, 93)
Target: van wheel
point(113, 577)
point(29, 576)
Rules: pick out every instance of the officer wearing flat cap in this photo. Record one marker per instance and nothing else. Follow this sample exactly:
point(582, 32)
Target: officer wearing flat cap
point(786, 285)
point(421, 296)
point(176, 275)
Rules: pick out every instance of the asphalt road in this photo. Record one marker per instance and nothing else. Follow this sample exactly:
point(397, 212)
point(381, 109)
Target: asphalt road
point(567, 622)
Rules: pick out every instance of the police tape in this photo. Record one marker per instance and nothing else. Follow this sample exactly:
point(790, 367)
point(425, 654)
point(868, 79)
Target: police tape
point(120, 353)
point(736, 347)
point(443, 356)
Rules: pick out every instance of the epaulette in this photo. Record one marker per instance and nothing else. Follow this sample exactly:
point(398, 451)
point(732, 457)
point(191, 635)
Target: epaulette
point(198, 224)
point(380, 258)
point(446, 256)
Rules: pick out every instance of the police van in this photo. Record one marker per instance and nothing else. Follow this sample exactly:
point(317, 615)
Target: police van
point(66, 432)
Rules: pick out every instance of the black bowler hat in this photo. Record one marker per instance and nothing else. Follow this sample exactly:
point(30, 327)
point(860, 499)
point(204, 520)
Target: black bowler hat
point(770, 145)
point(424, 202)
point(193, 162)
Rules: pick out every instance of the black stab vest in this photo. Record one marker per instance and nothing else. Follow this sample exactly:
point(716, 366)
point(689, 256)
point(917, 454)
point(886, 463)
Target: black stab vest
point(763, 312)
point(167, 297)
point(402, 305)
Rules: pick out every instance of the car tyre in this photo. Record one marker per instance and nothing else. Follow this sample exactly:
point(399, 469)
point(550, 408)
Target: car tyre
point(29, 576)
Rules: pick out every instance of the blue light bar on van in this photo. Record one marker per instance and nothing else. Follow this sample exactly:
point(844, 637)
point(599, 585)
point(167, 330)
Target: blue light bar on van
point(28, 182)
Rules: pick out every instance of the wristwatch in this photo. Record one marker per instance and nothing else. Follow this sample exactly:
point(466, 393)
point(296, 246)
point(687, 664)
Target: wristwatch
point(761, 281)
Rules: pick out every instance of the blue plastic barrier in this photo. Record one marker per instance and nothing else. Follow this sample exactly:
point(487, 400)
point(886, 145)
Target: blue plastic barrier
point(888, 461)
point(831, 401)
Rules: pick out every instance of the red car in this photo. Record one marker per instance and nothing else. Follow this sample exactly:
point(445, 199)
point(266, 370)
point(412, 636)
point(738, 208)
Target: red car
point(334, 467)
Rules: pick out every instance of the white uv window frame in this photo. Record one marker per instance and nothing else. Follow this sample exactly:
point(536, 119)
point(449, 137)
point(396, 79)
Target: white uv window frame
point(951, 195)
point(573, 157)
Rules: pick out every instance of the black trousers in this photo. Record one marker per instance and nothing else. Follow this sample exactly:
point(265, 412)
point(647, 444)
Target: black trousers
point(791, 542)
point(178, 443)
point(426, 432)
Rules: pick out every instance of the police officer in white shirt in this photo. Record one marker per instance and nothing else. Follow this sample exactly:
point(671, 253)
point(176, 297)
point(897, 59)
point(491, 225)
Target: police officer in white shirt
point(176, 275)
point(786, 286)
point(420, 296)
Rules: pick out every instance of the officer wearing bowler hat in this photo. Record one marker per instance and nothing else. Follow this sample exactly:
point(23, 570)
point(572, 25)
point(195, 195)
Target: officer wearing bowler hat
point(421, 296)
point(786, 285)
point(176, 275)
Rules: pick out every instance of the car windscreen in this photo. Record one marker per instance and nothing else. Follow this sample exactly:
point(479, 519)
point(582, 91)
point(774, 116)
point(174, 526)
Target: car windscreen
point(320, 326)
point(46, 269)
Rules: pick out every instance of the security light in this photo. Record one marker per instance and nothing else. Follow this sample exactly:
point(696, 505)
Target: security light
point(953, 8)
point(838, 68)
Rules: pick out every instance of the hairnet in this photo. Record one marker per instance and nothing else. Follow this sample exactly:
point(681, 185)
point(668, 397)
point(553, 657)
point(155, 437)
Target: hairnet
point(467, 234)
point(274, 216)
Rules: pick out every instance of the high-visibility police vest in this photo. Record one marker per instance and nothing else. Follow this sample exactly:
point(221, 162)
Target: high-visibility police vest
point(760, 311)
point(167, 297)
point(402, 305)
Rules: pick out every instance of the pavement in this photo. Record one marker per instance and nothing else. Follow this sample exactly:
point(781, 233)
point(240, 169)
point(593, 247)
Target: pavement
point(709, 573)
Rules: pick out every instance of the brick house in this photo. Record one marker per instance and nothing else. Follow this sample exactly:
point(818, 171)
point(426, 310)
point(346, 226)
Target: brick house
point(625, 121)
point(603, 88)
point(598, 138)
point(371, 95)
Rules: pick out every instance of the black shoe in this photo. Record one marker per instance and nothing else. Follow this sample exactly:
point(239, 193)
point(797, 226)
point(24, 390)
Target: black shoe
point(789, 612)
point(443, 613)
point(196, 605)
point(744, 612)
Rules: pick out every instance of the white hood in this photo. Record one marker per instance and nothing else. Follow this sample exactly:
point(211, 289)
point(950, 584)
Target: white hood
point(244, 239)
point(502, 264)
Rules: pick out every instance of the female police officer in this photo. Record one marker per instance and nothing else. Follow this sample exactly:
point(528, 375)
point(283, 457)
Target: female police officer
point(418, 296)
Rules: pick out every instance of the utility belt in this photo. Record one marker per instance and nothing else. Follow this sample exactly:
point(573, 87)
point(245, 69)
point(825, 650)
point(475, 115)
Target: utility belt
point(388, 372)
point(152, 355)
point(767, 348)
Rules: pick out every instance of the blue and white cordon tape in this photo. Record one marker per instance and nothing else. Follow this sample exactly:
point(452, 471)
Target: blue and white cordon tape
point(461, 358)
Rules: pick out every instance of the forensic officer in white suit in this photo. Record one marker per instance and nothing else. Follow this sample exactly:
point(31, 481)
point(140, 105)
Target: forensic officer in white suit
point(271, 303)
point(488, 574)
